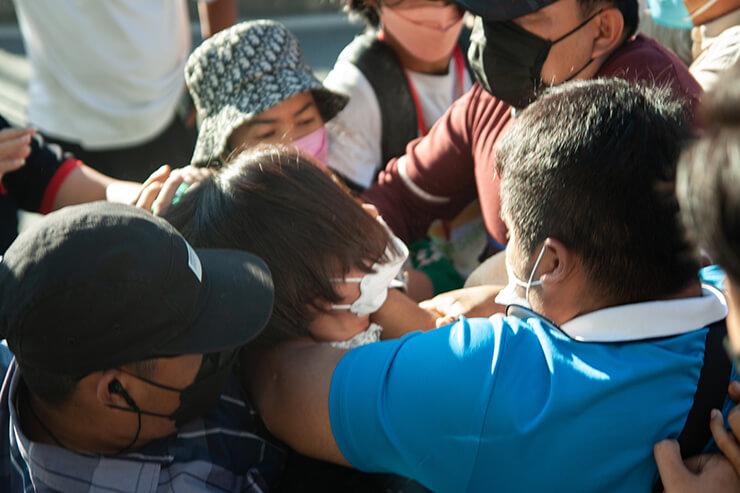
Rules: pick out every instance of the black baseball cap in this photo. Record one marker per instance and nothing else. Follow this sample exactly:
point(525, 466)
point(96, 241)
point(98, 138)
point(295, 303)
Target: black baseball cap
point(99, 285)
point(502, 10)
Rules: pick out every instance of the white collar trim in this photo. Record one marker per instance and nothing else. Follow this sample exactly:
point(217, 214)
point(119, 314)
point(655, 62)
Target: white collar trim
point(650, 319)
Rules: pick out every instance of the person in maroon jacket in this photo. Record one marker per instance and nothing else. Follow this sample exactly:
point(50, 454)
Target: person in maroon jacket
point(518, 49)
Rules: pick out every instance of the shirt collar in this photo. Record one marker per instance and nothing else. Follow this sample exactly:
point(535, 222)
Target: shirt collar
point(648, 320)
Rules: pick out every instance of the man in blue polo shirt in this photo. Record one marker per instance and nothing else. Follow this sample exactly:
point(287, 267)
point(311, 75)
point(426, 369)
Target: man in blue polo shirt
point(568, 396)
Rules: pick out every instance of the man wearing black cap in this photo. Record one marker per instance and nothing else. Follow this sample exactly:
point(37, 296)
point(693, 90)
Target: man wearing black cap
point(518, 49)
point(124, 335)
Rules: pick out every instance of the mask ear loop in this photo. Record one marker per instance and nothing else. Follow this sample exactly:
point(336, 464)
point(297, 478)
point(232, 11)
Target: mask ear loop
point(531, 282)
point(348, 280)
point(115, 387)
point(578, 27)
point(590, 60)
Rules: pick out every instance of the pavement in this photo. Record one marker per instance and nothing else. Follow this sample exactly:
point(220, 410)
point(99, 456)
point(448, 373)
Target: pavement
point(322, 37)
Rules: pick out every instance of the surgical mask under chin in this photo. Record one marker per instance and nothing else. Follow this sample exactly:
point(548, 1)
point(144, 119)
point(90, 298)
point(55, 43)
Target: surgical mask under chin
point(374, 285)
point(674, 14)
point(507, 60)
point(428, 32)
point(367, 336)
point(315, 144)
point(508, 296)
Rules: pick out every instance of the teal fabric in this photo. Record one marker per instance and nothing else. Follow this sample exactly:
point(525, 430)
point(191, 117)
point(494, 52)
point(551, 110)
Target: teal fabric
point(670, 13)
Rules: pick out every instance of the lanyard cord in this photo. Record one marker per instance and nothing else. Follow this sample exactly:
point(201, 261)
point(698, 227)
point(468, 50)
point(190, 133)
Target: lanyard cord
point(457, 56)
point(459, 59)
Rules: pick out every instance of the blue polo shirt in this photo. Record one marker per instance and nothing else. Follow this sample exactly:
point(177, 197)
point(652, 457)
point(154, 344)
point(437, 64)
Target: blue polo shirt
point(517, 404)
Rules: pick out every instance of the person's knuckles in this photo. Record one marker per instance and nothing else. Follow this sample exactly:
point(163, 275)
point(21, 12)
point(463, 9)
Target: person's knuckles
point(148, 195)
point(670, 464)
point(734, 391)
point(733, 418)
point(16, 133)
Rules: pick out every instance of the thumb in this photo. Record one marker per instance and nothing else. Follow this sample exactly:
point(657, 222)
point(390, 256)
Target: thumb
point(672, 470)
point(734, 391)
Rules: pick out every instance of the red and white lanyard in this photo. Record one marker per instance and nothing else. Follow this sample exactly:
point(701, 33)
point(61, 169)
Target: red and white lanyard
point(459, 59)
point(457, 56)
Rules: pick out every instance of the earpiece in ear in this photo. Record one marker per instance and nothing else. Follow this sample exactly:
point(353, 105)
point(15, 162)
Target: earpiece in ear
point(115, 387)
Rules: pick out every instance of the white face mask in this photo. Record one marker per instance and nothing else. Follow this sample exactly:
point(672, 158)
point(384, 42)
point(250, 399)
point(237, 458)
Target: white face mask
point(374, 285)
point(508, 296)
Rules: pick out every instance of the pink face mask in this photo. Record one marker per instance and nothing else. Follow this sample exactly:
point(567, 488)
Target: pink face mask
point(315, 144)
point(428, 32)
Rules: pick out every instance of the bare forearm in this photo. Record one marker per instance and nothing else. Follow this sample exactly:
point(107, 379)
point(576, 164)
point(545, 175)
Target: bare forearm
point(290, 387)
point(400, 315)
point(217, 16)
point(84, 184)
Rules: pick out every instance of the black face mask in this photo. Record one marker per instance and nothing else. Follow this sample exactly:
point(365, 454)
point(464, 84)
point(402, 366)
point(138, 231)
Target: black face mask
point(507, 60)
point(195, 400)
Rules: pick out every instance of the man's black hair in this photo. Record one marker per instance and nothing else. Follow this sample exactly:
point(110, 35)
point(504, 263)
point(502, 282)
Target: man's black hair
point(368, 13)
point(709, 177)
point(592, 164)
point(54, 389)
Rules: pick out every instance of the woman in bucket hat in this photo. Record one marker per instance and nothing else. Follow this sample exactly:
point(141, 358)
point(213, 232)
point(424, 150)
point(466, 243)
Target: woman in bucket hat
point(251, 85)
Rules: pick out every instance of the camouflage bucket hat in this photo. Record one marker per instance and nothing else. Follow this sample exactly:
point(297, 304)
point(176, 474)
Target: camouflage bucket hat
point(243, 71)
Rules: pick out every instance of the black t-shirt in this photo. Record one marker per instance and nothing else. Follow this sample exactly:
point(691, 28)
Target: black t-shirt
point(24, 188)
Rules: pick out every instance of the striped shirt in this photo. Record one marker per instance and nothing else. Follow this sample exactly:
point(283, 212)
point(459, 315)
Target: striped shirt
point(220, 452)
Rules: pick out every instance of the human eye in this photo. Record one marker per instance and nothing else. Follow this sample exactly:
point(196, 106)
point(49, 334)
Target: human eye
point(306, 122)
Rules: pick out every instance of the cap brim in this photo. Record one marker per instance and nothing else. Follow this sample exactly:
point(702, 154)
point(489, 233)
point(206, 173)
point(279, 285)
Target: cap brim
point(234, 305)
point(502, 10)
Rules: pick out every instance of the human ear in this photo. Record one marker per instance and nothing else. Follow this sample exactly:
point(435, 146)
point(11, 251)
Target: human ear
point(610, 24)
point(111, 388)
point(557, 263)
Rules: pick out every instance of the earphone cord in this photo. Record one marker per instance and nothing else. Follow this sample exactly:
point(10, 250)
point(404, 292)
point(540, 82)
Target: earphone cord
point(136, 437)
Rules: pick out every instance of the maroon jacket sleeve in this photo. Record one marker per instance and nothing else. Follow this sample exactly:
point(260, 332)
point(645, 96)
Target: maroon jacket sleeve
point(435, 179)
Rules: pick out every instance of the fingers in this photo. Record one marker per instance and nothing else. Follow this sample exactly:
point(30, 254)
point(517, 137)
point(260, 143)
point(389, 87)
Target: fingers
point(167, 193)
point(673, 472)
point(11, 139)
point(725, 440)
point(734, 419)
point(14, 133)
point(159, 176)
point(442, 321)
point(8, 166)
point(148, 195)
point(15, 147)
point(734, 391)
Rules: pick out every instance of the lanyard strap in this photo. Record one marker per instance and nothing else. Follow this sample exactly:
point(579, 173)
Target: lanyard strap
point(459, 59)
point(457, 56)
